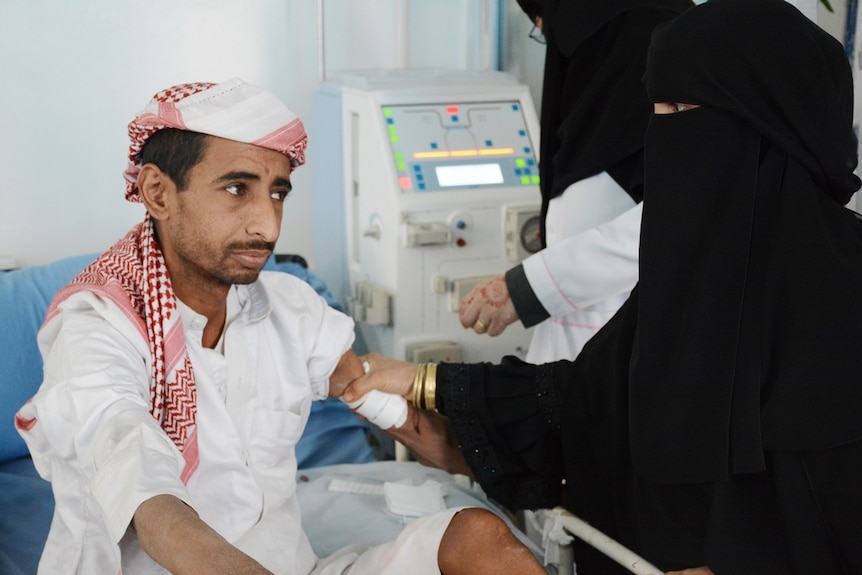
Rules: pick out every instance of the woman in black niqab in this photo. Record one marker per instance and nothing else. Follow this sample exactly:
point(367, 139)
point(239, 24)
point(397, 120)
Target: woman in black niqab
point(750, 320)
point(744, 369)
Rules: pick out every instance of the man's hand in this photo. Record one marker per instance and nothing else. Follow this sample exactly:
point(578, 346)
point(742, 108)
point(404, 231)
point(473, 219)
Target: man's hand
point(428, 436)
point(488, 307)
point(695, 571)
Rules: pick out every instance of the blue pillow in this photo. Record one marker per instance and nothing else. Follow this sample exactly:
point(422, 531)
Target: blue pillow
point(28, 505)
point(24, 298)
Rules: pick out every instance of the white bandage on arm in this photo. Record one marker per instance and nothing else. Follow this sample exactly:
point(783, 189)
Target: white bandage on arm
point(382, 409)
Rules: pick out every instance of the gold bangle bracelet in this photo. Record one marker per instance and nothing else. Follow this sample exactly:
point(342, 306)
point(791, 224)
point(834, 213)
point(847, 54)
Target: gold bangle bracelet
point(417, 385)
point(430, 387)
point(422, 388)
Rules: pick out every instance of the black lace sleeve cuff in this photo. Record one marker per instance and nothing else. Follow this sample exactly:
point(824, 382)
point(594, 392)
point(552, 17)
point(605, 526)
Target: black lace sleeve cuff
point(506, 419)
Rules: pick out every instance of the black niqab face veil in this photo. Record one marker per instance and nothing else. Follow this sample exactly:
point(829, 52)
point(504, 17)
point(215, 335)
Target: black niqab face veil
point(763, 61)
point(594, 106)
point(749, 307)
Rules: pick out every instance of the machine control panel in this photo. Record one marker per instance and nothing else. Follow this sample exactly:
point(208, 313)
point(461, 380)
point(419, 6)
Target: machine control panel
point(442, 147)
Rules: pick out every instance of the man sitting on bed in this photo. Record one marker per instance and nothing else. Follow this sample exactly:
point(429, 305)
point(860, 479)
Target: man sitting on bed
point(179, 377)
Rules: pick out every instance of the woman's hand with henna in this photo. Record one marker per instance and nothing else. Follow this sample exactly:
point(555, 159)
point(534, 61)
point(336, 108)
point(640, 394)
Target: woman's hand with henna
point(488, 307)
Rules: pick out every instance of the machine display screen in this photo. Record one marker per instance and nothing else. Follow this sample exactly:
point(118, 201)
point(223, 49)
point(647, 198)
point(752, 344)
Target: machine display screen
point(469, 175)
point(443, 147)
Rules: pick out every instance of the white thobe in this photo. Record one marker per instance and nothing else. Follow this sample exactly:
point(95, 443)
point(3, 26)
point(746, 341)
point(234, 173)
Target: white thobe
point(588, 268)
point(96, 441)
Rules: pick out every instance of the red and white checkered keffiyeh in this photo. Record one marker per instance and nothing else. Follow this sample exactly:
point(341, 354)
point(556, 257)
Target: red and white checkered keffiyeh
point(133, 275)
point(233, 110)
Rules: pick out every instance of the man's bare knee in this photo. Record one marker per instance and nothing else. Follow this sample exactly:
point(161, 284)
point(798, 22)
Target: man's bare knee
point(478, 523)
point(478, 541)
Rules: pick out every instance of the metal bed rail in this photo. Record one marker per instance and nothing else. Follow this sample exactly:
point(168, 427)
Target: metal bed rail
point(579, 528)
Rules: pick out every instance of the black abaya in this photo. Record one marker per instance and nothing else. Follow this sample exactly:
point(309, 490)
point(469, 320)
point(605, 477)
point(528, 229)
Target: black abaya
point(715, 420)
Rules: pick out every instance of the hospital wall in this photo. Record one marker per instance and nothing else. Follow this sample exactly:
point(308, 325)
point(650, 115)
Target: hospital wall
point(75, 72)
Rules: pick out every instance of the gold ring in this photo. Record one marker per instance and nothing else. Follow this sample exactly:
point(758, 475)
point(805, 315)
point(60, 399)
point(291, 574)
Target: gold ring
point(480, 327)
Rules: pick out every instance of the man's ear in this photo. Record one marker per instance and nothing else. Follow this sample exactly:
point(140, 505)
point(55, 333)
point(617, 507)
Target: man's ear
point(155, 187)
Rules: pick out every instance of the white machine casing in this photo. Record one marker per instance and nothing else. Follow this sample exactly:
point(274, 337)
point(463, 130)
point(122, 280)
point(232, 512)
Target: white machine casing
point(402, 258)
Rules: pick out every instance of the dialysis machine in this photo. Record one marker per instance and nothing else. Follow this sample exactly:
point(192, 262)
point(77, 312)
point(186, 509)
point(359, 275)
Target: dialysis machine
point(425, 183)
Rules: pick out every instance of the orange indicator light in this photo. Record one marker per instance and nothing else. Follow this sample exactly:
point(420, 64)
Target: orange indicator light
point(463, 153)
point(496, 151)
point(431, 155)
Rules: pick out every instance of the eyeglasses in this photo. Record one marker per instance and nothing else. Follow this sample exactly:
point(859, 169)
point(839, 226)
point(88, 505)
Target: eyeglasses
point(537, 35)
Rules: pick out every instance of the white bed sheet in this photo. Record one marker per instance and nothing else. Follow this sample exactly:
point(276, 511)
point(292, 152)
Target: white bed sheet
point(334, 519)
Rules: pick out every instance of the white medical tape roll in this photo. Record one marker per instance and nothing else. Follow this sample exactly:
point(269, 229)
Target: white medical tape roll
point(382, 409)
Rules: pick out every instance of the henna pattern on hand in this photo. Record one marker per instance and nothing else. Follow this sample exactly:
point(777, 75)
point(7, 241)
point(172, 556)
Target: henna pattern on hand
point(495, 293)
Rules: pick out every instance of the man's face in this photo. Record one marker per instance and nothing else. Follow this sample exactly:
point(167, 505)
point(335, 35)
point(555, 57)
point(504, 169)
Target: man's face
point(223, 227)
